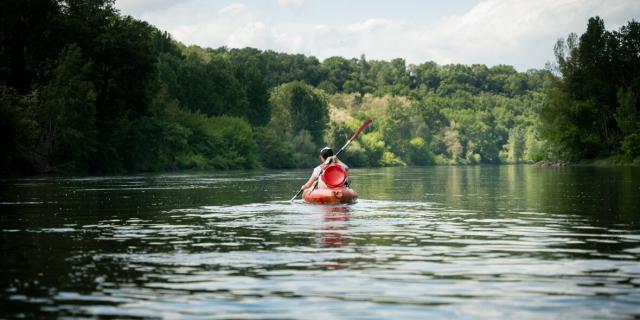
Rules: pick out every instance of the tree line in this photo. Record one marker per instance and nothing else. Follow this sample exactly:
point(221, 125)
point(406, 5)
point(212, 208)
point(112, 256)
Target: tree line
point(85, 89)
point(592, 108)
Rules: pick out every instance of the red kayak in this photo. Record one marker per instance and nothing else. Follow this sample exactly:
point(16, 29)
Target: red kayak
point(340, 195)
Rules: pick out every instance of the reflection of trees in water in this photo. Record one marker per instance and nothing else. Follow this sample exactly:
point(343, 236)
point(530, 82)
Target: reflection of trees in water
point(602, 193)
point(576, 203)
point(607, 193)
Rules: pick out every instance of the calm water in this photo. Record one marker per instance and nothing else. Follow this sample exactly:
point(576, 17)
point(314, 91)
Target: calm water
point(436, 242)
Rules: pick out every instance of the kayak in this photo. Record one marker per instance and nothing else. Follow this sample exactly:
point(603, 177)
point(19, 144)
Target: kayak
point(330, 196)
point(340, 195)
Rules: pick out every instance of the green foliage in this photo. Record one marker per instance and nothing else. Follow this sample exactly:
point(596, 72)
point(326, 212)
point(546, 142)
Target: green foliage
point(390, 160)
point(592, 108)
point(306, 107)
point(418, 152)
point(568, 124)
point(225, 142)
point(274, 151)
point(303, 107)
point(68, 130)
point(397, 127)
point(57, 119)
point(374, 147)
point(514, 149)
point(626, 114)
point(14, 128)
point(211, 87)
point(296, 129)
point(631, 145)
point(535, 148)
point(103, 92)
point(458, 129)
point(175, 138)
point(306, 150)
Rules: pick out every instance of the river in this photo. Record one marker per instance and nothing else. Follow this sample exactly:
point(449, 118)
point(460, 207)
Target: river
point(436, 242)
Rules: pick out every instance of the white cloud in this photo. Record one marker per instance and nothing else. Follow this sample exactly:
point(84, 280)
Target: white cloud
point(517, 32)
point(291, 4)
point(254, 34)
point(136, 7)
point(234, 8)
point(370, 25)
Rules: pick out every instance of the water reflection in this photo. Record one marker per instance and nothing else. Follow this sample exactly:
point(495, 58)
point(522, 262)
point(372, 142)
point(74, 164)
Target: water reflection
point(335, 226)
point(436, 242)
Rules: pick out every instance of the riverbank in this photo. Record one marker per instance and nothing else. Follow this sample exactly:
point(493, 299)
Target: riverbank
point(616, 160)
point(611, 161)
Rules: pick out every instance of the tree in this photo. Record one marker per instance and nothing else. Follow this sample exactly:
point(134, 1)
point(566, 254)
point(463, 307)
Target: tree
point(255, 91)
point(569, 124)
point(338, 71)
point(452, 141)
point(296, 129)
point(304, 107)
point(515, 145)
point(626, 114)
point(589, 110)
point(67, 115)
point(24, 51)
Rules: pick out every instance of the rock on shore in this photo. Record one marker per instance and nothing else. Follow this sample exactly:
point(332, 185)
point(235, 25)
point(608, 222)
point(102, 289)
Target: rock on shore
point(551, 163)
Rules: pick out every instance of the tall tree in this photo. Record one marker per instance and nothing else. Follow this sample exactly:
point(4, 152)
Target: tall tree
point(580, 114)
point(66, 116)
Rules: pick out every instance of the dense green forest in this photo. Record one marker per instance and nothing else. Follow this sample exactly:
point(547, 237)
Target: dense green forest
point(592, 110)
point(85, 89)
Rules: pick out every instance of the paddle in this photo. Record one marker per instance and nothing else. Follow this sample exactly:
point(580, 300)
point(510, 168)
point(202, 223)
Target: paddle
point(355, 135)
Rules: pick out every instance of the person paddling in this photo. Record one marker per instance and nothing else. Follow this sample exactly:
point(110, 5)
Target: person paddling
point(332, 174)
point(327, 158)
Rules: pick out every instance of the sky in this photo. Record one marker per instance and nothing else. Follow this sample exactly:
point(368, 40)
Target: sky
point(520, 33)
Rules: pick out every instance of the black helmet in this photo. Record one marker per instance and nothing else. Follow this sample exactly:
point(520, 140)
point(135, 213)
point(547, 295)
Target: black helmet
point(326, 152)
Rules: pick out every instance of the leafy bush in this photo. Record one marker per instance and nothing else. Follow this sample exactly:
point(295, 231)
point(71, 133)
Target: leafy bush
point(418, 152)
point(390, 160)
point(631, 145)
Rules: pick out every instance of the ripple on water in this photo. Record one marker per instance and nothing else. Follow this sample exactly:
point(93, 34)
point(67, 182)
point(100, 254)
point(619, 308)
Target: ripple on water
point(374, 259)
point(239, 260)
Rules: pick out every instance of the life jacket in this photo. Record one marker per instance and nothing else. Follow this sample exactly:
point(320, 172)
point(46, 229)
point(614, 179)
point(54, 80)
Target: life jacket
point(333, 175)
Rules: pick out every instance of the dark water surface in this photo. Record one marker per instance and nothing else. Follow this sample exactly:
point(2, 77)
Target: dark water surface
point(435, 242)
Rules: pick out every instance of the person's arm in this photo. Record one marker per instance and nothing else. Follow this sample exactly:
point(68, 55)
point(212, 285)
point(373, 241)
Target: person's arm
point(309, 182)
point(312, 179)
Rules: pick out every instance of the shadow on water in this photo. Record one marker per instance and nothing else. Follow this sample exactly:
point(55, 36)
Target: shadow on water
point(441, 242)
